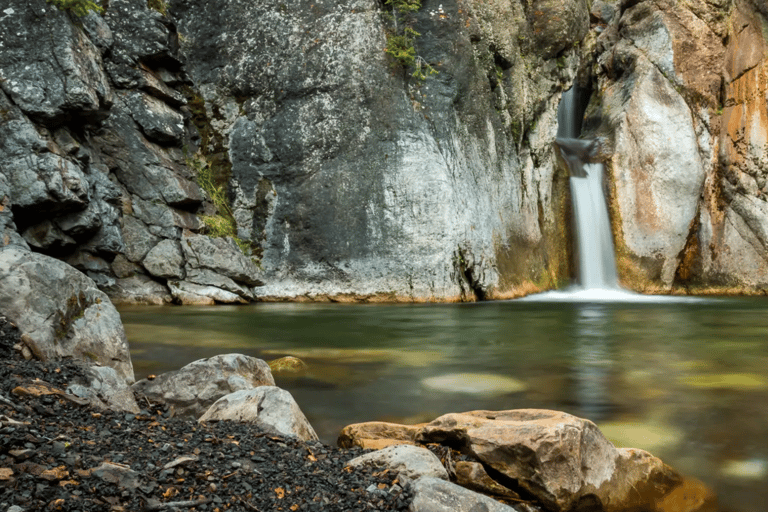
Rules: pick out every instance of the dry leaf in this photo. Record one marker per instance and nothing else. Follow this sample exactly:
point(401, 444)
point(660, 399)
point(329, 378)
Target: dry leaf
point(55, 473)
point(280, 493)
point(6, 473)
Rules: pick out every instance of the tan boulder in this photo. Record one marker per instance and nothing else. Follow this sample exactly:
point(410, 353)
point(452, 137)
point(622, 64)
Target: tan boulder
point(561, 461)
point(375, 435)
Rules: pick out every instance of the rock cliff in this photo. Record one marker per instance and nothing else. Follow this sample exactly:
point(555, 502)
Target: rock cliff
point(360, 181)
point(350, 178)
point(681, 98)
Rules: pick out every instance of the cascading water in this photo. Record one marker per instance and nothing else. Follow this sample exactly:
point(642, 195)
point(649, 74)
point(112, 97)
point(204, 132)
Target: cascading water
point(594, 244)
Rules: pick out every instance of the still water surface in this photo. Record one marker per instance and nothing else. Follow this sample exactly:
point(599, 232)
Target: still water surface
point(687, 381)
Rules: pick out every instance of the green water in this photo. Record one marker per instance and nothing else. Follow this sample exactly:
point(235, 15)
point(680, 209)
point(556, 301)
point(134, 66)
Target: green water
point(686, 381)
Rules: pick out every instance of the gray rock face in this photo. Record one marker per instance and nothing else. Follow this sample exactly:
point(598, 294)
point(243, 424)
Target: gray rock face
point(105, 390)
point(436, 495)
point(138, 289)
point(409, 461)
point(220, 255)
point(48, 67)
point(61, 312)
point(93, 148)
point(165, 260)
point(357, 181)
point(192, 389)
point(268, 407)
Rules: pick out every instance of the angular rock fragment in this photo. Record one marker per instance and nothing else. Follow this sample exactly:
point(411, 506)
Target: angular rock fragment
point(269, 408)
point(436, 495)
point(409, 461)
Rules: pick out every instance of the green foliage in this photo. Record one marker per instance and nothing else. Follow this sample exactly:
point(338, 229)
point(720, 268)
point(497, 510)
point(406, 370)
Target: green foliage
point(223, 223)
point(405, 6)
point(77, 7)
point(400, 42)
point(160, 6)
point(401, 49)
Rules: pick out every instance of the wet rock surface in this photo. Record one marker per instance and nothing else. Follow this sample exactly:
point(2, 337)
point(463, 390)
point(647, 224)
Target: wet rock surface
point(56, 454)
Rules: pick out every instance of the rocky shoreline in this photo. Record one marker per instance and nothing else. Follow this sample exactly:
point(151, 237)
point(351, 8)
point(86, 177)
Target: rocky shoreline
point(60, 454)
point(219, 435)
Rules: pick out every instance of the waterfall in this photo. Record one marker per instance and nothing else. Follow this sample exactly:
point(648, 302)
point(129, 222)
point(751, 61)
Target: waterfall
point(594, 243)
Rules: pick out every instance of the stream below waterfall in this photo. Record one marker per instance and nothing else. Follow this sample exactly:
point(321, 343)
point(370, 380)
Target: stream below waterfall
point(684, 379)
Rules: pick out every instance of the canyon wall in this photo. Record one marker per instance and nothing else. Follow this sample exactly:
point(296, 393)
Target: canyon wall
point(349, 178)
point(681, 106)
point(358, 180)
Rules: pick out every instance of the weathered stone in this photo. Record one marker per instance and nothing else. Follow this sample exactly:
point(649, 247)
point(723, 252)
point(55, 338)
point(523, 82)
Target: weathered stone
point(287, 365)
point(377, 434)
point(221, 255)
point(557, 25)
point(436, 495)
point(473, 476)
point(119, 474)
point(104, 389)
point(138, 239)
point(123, 268)
point(462, 201)
point(267, 407)
point(202, 295)
point(192, 389)
point(165, 260)
point(48, 66)
point(558, 458)
point(48, 237)
point(149, 171)
point(61, 311)
point(39, 181)
point(409, 461)
point(559, 461)
point(206, 277)
point(138, 289)
point(158, 121)
point(8, 233)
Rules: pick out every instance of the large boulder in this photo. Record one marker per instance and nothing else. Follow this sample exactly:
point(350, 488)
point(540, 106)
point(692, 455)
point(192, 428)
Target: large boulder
point(559, 461)
point(192, 389)
point(268, 408)
point(61, 312)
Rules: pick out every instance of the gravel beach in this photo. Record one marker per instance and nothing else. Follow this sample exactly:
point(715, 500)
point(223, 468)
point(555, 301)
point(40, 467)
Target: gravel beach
point(57, 454)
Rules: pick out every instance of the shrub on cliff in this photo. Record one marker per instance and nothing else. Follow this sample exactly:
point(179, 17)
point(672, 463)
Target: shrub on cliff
point(401, 39)
point(77, 7)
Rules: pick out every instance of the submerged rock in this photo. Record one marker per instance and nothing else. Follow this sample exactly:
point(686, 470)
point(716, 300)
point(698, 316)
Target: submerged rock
point(484, 384)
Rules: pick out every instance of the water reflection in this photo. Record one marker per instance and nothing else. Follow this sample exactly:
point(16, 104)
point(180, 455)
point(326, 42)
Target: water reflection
point(687, 380)
point(591, 362)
